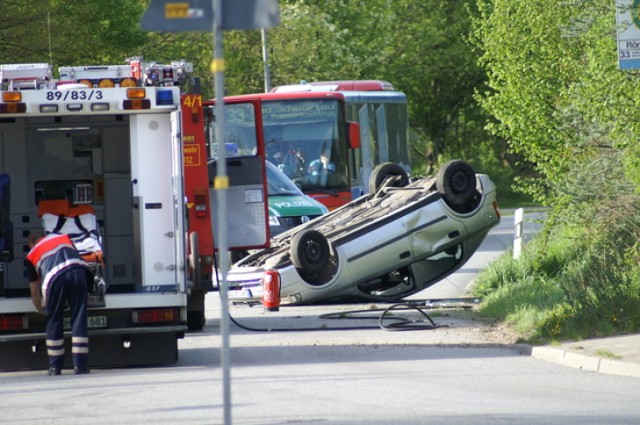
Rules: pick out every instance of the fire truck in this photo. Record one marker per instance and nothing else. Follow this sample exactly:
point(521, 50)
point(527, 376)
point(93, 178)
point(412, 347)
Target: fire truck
point(99, 154)
point(201, 250)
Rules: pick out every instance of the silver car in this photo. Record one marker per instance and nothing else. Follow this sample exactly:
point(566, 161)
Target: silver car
point(400, 239)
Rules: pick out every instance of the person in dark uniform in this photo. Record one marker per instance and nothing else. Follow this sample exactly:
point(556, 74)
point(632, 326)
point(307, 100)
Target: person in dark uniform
point(57, 276)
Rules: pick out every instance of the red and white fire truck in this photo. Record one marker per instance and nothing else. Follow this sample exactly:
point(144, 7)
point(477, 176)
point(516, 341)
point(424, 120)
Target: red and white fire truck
point(101, 154)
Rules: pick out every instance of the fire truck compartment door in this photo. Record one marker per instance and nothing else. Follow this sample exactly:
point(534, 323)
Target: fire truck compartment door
point(247, 220)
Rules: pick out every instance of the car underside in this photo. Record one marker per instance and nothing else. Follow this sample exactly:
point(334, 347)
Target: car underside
point(401, 238)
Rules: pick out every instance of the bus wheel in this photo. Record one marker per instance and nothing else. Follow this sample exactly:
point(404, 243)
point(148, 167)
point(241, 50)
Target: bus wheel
point(456, 182)
point(309, 251)
point(385, 170)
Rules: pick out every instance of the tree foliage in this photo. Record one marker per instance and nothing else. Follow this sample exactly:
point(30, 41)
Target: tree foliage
point(419, 47)
point(554, 87)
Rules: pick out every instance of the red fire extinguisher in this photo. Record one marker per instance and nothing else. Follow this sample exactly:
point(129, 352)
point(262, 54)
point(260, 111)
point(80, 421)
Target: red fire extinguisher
point(271, 287)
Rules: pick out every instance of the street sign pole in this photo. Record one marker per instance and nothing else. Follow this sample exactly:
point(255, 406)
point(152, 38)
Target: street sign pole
point(216, 16)
point(265, 60)
point(221, 185)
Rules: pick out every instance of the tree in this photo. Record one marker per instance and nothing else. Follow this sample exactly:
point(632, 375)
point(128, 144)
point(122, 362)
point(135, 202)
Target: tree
point(23, 31)
point(420, 47)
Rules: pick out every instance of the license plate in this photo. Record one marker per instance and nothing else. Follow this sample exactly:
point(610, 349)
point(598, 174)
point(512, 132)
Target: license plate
point(93, 322)
point(240, 294)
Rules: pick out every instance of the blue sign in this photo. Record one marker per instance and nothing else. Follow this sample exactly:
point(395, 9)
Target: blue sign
point(628, 20)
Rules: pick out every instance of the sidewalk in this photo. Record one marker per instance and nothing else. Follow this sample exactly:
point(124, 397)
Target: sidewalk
point(618, 355)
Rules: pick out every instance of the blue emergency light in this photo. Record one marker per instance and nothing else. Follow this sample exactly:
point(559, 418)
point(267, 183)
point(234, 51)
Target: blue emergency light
point(164, 97)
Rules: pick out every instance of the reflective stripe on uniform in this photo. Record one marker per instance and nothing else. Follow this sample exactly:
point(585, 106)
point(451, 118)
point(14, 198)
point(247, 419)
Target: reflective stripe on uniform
point(55, 347)
point(79, 345)
point(46, 280)
point(50, 256)
point(58, 352)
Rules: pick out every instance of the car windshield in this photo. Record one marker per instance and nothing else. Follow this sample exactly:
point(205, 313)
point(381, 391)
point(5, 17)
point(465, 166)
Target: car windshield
point(278, 183)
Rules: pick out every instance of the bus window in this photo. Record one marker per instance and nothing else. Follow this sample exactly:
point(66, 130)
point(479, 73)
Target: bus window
point(240, 134)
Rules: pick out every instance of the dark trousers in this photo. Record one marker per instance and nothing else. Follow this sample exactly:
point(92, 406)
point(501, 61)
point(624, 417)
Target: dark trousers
point(69, 287)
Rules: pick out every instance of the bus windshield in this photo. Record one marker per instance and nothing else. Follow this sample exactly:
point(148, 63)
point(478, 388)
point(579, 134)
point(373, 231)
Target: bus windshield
point(384, 125)
point(305, 138)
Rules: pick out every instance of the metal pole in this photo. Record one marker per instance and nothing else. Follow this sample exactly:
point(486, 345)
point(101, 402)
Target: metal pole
point(221, 185)
point(265, 61)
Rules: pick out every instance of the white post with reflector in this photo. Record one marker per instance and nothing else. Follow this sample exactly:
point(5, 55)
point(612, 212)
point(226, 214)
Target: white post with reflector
point(518, 220)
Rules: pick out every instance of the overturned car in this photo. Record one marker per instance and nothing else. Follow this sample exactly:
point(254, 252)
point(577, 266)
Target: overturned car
point(400, 239)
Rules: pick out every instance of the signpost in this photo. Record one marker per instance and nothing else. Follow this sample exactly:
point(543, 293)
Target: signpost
point(628, 19)
point(215, 16)
point(197, 15)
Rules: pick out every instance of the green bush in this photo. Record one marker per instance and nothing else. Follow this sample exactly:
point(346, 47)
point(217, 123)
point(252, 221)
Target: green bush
point(573, 281)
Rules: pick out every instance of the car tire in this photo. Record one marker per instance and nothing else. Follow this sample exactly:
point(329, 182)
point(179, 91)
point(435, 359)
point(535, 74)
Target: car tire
point(310, 251)
point(456, 182)
point(387, 169)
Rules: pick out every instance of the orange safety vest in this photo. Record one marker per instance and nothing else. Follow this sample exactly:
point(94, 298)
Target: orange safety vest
point(51, 255)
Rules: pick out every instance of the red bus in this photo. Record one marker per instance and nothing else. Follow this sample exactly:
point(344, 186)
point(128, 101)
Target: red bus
point(379, 110)
point(359, 123)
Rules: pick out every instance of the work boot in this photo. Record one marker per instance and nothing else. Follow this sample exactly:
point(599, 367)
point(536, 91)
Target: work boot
point(54, 371)
point(81, 370)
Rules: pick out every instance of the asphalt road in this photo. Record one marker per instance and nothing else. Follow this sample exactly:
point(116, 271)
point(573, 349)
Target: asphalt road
point(351, 376)
point(334, 364)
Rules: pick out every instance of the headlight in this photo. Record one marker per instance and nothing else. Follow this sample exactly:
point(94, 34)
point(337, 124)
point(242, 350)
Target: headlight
point(273, 221)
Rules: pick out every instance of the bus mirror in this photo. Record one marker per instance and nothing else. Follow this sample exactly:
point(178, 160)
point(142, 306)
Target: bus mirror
point(354, 135)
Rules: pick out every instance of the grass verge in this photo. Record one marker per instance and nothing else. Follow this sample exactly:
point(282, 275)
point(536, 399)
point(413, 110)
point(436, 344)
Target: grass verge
point(572, 282)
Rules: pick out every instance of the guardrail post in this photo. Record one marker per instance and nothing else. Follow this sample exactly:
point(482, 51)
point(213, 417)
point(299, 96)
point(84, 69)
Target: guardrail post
point(518, 220)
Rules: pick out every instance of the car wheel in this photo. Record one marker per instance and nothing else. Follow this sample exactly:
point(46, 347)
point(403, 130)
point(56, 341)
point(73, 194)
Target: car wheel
point(310, 251)
point(456, 182)
point(387, 169)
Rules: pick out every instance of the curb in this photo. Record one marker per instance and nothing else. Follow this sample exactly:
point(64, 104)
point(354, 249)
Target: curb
point(590, 363)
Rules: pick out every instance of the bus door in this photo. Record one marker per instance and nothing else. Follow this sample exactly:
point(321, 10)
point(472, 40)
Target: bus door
point(247, 201)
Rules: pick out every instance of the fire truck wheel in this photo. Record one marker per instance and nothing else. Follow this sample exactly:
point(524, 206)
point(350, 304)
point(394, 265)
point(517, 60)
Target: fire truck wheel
point(387, 169)
point(194, 260)
point(195, 320)
point(310, 251)
point(456, 181)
